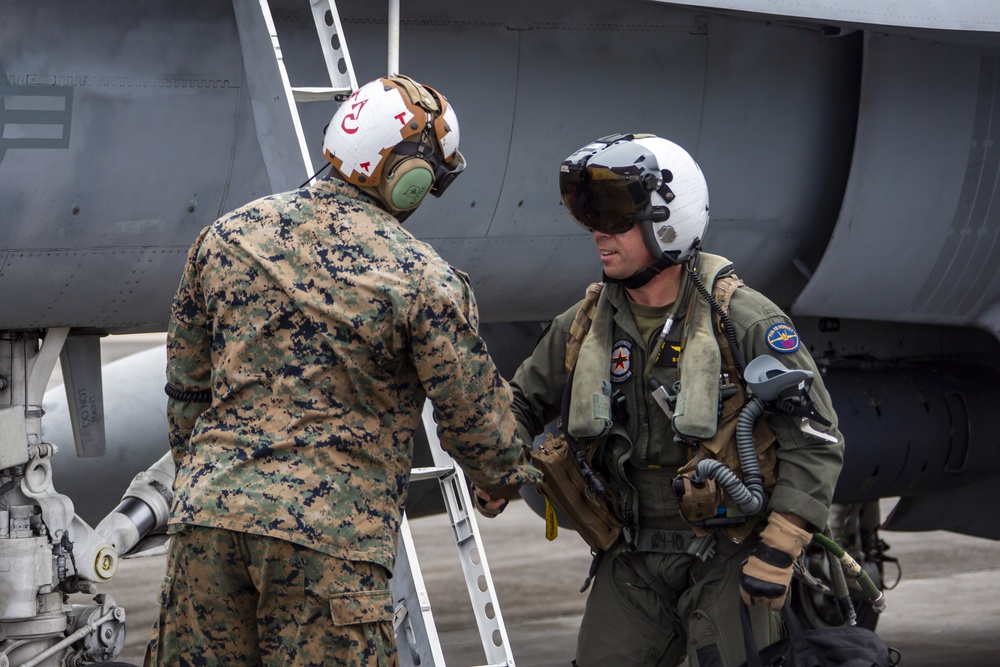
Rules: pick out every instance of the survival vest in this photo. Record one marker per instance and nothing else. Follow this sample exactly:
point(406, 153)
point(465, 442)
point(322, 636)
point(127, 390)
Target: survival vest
point(709, 402)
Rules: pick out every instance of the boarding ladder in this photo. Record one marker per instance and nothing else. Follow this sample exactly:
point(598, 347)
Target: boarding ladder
point(288, 162)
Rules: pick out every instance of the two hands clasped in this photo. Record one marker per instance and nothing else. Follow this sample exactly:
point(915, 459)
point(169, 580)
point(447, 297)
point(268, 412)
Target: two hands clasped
point(493, 503)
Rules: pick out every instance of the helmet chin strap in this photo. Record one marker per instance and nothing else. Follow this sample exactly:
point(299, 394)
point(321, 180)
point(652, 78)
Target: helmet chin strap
point(640, 278)
point(643, 276)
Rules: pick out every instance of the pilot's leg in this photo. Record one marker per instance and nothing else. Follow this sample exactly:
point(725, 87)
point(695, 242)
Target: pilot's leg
point(625, 621)
point(711, 609)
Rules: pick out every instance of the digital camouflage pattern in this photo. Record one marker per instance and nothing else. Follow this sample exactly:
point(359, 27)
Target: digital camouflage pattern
point(311, 610)
point(319, 326)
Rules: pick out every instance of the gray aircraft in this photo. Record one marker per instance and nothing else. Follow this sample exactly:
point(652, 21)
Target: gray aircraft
point(848, 146)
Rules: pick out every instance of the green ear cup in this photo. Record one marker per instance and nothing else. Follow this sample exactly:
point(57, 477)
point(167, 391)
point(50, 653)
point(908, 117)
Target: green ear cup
point(410, 188)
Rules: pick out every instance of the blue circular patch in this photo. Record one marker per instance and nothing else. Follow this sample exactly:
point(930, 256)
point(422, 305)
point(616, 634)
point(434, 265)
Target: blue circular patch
point(783, 338)
point(621, 361)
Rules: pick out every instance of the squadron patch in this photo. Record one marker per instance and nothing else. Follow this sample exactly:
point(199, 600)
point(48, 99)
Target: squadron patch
point(621, 361)
point(782, 337)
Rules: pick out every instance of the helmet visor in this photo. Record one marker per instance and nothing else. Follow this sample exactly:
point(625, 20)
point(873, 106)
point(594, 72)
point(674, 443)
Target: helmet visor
point(601, 199)
point(445, 174)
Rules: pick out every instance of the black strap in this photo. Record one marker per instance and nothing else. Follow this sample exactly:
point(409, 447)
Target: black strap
point(594, 563)
point(753, 657)
point(595, 483)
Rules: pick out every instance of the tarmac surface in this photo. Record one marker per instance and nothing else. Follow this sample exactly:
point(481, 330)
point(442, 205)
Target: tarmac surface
point(945, 611)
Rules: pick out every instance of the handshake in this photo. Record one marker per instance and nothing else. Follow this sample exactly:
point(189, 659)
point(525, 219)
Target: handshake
point(492, 504)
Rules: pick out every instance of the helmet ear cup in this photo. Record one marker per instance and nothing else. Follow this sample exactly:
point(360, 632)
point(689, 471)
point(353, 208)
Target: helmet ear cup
point(408, 182)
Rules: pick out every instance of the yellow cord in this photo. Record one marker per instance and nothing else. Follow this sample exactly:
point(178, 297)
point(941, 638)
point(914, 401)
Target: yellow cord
point(551, 523)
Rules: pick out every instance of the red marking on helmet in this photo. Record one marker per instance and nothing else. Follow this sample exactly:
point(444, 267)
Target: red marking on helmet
point(353, 116)
point(366, 166)
point(399, 117)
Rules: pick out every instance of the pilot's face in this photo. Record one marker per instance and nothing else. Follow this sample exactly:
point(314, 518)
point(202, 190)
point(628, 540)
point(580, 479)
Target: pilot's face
point(623, 254)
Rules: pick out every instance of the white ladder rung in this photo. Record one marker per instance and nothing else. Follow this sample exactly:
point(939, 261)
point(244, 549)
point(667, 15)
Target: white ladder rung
point(417, 474)
point(335, 53)
point(318, 94)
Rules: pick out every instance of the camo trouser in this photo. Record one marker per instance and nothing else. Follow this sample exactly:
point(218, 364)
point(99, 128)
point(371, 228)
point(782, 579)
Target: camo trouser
point(232, 598)
point(627, 623)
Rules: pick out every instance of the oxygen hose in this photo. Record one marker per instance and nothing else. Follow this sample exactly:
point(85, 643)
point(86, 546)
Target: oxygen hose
point(854, 569)
point(748, 495)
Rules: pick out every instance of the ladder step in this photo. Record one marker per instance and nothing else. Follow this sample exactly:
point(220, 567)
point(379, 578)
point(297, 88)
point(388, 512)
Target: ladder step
point(320, 94)
point(417, 474)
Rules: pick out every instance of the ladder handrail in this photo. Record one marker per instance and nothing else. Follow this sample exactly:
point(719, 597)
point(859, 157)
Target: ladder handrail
point(482, 593)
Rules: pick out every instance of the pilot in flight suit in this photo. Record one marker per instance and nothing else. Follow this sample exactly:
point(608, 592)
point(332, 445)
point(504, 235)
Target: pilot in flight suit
point(669, 588)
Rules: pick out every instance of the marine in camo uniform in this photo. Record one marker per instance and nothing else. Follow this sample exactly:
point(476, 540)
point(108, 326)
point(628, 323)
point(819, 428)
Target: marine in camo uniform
point(658, 594)
point(308, 330)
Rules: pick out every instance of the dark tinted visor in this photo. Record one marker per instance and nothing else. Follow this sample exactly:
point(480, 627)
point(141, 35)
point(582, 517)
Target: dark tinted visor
point(608, 190)
point(600, 199)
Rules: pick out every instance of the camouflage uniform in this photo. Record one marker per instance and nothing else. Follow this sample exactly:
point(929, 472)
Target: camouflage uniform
point(308, 330)
point(626, 621)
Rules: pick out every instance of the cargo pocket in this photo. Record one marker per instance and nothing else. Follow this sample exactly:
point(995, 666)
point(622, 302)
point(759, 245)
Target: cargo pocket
point(361, 607)
point(365, 617)
point(161, 649)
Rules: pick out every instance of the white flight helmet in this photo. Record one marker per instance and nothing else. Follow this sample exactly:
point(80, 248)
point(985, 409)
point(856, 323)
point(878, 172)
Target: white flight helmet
point(397, 140)
point(622, 180)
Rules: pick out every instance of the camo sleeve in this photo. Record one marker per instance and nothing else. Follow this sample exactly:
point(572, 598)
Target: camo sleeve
point(472, 403)
point(189, 361)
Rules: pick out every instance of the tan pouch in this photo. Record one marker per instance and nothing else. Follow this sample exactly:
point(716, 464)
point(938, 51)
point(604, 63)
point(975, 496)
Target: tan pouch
point(700, 503)
point(594, 517)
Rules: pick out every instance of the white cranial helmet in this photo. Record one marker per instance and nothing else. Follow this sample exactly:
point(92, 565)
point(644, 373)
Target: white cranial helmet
point(397, 140)
point(619, 181)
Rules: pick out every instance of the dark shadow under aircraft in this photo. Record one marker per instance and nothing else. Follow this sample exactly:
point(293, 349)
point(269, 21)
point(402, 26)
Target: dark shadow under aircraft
point(848, 147)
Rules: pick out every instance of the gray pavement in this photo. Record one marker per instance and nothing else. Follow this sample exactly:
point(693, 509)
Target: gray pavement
point(945, 611)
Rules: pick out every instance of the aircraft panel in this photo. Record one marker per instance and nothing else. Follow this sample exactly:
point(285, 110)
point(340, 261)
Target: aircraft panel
point(977, 15)
point(155, 145)
point(919, 199)
point(509, 276)
point(132, 278)
point(578, 82)
point(775, 142)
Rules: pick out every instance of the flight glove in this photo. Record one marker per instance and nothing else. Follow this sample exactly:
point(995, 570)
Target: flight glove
point(768, 572)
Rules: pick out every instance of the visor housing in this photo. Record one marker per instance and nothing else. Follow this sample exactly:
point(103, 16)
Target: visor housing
point(607, 187)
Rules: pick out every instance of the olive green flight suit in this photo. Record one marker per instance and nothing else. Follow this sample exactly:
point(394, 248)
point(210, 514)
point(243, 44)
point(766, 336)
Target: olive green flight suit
point(626, 620)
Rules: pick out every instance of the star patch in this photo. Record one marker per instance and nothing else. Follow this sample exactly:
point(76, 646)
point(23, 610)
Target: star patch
point(782, 337)
point(621, 361)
